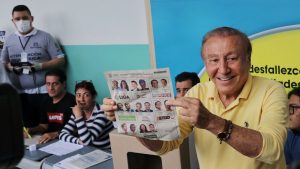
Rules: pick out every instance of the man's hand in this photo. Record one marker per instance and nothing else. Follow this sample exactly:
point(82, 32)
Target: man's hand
point(9, 67)
point(17, 70)
point(193, 111)
point(109, 107)
point(47, 137)
point(36, 67)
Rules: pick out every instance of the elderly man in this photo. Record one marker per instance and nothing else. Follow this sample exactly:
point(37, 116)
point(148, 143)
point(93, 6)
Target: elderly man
point(239, 120)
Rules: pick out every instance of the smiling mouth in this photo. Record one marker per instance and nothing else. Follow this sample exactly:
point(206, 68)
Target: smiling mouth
point(225, 78)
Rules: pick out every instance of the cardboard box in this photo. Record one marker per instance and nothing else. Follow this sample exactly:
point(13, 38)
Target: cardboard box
point(129, 153)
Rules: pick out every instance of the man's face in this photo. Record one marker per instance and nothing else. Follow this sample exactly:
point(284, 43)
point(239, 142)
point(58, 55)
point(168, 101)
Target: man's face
point(168, 107)
point(54, 87)
point(227, 64)
point(120, 106)
point(142, 84)
point(132, 127)
point(151, 127)
point(22, 15)
point(127, 106)
point(154, 83)
point(133, 85)
point(294, 109)
point(183, 87)
point(147, 106)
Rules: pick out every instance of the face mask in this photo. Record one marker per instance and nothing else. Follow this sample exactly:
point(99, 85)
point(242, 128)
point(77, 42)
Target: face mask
point(23, 26)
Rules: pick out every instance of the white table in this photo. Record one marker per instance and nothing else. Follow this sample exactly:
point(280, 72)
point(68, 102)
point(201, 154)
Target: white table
point(48, 162)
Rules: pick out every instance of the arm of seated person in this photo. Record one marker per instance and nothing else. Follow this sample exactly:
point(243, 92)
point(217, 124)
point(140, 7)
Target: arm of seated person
point(40, 129)
point(48, 137)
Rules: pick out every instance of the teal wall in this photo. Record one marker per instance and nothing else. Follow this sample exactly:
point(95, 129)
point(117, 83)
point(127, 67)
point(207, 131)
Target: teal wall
point(89, 62)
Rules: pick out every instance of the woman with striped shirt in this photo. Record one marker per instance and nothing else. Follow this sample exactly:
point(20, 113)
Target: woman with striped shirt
point(88, 125)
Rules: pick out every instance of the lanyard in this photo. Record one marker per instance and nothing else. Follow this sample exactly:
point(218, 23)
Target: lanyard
point(25, 43)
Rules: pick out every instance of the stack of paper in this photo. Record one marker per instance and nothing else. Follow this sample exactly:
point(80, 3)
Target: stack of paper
point(61, 148)
point(83, 161)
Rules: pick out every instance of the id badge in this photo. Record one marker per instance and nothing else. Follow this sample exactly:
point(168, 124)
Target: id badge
point(24, 57)
point(26, 71)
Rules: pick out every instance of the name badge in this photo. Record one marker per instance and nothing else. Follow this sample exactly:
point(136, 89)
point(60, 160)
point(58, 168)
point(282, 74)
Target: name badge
point(26, 71)
point(24, 57)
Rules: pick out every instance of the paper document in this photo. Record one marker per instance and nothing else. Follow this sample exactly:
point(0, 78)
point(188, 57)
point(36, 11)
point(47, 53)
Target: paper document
point(64, 164)
point(83, 161)
point(141, 97)
point(61, 148)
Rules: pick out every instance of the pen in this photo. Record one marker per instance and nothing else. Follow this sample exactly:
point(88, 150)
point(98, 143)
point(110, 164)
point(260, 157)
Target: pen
point(26, 132)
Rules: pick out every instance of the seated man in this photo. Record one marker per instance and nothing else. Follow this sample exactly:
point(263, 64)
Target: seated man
point(292, 145)
point(56, 109)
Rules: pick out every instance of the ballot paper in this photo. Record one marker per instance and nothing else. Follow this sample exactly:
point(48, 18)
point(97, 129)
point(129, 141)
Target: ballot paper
point(141, 97)
point(61, 148)
point(79, 161)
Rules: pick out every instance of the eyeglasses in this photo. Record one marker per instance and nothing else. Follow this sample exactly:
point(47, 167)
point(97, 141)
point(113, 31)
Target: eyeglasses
point(293, 108)
point(86, 81)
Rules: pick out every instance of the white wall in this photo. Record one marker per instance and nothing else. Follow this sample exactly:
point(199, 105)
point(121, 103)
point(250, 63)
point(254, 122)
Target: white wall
point(96, 35)
point(89, 22)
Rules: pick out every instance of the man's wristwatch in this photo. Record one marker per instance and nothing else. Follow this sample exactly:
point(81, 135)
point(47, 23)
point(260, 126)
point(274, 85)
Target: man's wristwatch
point(225, 134)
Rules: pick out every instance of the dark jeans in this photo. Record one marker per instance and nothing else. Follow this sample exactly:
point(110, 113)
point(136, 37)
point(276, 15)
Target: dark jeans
point(31, 107)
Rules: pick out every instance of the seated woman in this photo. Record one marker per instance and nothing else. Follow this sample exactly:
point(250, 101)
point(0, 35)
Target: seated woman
point(88, 125)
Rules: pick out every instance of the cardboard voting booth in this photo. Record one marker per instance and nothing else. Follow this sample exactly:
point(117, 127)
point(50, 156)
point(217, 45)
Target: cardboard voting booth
point(128, 153)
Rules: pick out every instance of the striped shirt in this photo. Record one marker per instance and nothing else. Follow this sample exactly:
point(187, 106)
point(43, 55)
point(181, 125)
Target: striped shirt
point(93, 131)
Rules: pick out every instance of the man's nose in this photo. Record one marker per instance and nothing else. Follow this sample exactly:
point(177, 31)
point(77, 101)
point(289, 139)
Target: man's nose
point(180, 93)
point(223, 67)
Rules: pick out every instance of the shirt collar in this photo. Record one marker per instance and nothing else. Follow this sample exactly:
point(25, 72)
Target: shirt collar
point(33, 32)
point(247, 88)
